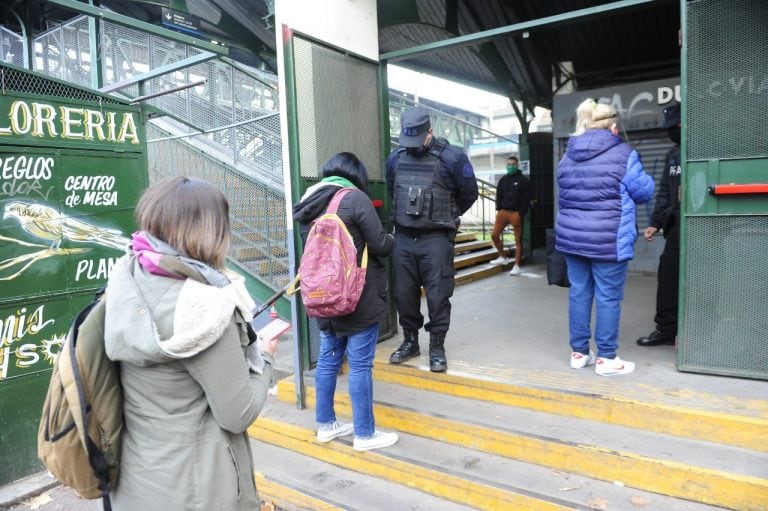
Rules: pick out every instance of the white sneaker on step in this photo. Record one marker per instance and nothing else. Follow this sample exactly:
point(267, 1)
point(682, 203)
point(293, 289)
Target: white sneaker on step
point(580, 360)
point(515, 270)
point(379, 440)
point(327, 432)
point(613, 366)
point(501, 260)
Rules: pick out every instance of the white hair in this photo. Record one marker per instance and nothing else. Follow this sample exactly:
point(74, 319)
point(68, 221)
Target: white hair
point(590, 115)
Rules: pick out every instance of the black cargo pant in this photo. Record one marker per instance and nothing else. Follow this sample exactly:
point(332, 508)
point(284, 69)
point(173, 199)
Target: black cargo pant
point(668, 284)
point(424, 259)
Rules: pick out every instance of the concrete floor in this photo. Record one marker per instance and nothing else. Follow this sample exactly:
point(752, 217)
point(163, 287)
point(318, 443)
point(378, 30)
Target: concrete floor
point(520, 324)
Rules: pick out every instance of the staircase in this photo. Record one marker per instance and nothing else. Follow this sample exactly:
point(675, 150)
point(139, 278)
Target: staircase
point(510, 439)
point(472, 257)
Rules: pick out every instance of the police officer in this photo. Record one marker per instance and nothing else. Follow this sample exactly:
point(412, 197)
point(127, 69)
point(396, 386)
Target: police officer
point(666, 216)
point(432, 184)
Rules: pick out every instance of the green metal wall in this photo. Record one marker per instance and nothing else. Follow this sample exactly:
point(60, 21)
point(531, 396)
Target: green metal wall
point(72, 166)
point(723, 320)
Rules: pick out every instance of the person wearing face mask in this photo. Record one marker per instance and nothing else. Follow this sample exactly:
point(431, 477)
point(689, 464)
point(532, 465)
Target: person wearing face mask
point(513, 194)
point(432, 183)
point(666, 216)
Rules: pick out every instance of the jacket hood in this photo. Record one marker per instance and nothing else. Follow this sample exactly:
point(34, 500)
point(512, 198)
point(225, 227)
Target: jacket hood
point(314, 202)
point(201, 313)
point(590, 144)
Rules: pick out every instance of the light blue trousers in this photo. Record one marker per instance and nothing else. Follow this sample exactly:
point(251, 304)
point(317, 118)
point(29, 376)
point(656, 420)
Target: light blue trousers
point(360, 349)
point(603, 283)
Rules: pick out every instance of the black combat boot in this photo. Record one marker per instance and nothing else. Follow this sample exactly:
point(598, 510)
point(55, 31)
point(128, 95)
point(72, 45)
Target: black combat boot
point(407, 350)
point(437, 362)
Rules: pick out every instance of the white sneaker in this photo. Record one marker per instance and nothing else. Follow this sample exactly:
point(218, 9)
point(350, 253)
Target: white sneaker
point(613, 366)
point(377, 441)
point(515, 270)
point(501, 260)
point(580, 360)
point(331, 430)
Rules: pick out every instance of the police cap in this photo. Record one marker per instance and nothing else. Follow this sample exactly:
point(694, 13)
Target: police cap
point(671, 116)
point(414, 127)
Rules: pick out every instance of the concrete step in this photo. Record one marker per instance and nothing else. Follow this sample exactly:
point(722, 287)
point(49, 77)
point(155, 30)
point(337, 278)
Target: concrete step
point(542, 392)
point(465, 236)
point(475, 272)
point(469, 246)
point(304, 482)
point(479, 257)
point(471, 258)
point(458, 472)
point(691, 470)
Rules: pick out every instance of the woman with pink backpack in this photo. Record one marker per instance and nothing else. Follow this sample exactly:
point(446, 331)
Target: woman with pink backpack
point(354, 334)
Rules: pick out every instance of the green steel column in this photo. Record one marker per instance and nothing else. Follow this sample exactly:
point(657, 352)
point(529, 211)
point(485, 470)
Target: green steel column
point(301, 325)
point(386, 148)
point(682, 276)
point(524, 153)
point(94, 39)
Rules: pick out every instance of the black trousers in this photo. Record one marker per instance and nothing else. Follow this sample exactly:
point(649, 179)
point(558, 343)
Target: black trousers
point(668, 284)
point(423, 259)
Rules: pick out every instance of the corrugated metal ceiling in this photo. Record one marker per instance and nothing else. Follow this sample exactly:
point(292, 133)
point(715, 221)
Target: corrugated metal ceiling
point(633, 44)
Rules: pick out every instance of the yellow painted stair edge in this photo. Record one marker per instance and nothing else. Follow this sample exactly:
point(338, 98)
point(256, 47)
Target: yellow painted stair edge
point(690, 482)
point(477, 495)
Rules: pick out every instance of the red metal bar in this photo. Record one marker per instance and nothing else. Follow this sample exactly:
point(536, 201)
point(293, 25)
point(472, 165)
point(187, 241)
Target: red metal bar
point(734, 189)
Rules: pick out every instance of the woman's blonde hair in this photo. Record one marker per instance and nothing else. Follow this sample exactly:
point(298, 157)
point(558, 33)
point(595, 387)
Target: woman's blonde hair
point(593, 115)
point(189, 214)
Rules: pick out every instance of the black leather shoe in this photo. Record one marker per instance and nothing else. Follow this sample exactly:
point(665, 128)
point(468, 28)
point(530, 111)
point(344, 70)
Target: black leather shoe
point(406, 351)
point(437, 362)
point(656, 338)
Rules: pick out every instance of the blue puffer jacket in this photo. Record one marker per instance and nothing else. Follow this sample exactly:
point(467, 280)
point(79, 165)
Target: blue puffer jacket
point(601, 179)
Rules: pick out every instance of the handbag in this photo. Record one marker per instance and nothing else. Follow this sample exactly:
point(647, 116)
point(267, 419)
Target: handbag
point(557, 268)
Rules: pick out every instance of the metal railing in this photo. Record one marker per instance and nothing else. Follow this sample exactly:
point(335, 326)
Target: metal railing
point(225, 130)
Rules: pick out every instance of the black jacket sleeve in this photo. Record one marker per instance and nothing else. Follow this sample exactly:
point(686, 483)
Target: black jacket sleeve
point(366, 226)
point(662, 207)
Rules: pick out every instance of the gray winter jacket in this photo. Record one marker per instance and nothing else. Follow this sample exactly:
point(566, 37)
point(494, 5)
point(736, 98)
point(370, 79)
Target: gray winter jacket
point(188, 393)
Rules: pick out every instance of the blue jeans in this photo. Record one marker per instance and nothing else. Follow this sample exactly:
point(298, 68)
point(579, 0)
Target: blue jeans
point(603, 282)
point(360, 349)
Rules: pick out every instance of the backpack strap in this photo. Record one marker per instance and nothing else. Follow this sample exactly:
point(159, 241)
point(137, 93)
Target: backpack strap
point(333, 207)
point(96, 456)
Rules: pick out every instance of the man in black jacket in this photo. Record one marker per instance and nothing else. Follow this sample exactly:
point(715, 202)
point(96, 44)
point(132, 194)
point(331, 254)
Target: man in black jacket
point(666, 216)
point(513, 194)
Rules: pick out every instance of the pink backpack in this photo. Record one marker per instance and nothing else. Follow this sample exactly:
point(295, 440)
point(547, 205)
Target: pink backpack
point(331, 281)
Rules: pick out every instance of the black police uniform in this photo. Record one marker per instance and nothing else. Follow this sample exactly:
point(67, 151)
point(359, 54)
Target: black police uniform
point(431, 190)
point(666, 216)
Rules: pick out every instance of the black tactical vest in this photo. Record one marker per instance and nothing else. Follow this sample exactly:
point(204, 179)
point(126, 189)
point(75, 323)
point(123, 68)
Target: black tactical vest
point(422, 200)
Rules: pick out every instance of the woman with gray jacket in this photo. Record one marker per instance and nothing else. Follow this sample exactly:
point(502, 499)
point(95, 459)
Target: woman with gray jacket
point(192, 381)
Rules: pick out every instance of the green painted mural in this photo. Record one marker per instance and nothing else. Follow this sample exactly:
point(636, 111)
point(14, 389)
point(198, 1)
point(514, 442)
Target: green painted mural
point(71, 172)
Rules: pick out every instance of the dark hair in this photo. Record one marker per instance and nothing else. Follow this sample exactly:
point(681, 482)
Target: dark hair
point(513, 157)
point(348, 166)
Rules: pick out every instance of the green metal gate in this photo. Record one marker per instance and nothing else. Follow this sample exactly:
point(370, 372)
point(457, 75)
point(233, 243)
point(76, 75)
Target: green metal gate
point(724, 256)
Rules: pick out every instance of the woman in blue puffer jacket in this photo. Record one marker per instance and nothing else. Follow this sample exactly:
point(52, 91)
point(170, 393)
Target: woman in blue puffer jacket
point(601, 179)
